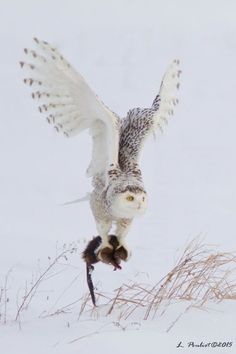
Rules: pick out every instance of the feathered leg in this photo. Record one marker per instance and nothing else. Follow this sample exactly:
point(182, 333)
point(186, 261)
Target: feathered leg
point(105, 250)
point(122, 229)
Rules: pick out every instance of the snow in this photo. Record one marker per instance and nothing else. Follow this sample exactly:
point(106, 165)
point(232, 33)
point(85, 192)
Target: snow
point(123, 49)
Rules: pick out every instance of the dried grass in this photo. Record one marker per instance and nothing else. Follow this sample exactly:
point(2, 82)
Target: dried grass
point(46, 274)
point(200, 275)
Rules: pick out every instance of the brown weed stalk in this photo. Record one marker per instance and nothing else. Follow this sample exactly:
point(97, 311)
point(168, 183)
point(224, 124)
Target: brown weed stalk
point(201, 275)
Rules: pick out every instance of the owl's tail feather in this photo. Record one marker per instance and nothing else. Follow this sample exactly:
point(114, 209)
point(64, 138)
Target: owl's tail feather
point(83, 199)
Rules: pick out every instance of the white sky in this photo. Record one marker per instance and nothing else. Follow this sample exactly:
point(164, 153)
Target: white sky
point(123, 48)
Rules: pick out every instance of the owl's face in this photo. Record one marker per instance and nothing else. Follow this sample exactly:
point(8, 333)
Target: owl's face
point(129, 204)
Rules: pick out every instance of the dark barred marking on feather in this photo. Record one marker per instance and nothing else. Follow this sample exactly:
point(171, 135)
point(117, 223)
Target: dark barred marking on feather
point(132, 189)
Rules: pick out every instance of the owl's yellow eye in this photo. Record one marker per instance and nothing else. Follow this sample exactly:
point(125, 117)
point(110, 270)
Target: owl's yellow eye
point(130, 198)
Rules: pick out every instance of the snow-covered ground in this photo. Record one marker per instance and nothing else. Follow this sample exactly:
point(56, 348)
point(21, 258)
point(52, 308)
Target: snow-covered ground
point(122, 48)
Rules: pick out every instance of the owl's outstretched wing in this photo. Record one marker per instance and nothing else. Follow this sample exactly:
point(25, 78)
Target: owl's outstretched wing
point(141, 122)
point(70, 104)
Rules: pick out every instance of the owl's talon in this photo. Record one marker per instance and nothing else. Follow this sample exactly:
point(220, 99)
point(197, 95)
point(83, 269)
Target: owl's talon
point(117, 267)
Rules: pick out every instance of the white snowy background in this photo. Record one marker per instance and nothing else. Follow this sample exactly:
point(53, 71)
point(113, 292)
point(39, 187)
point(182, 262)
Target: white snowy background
point(122, 48)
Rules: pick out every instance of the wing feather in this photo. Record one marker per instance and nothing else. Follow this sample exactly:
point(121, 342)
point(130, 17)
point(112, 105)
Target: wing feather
point(70, 104)
point(141, 122)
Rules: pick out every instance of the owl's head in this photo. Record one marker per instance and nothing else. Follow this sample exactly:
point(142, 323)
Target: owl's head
point(129, 202)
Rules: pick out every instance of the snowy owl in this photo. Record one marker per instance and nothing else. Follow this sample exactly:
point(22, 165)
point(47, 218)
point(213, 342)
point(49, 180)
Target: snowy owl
point(71, 106)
